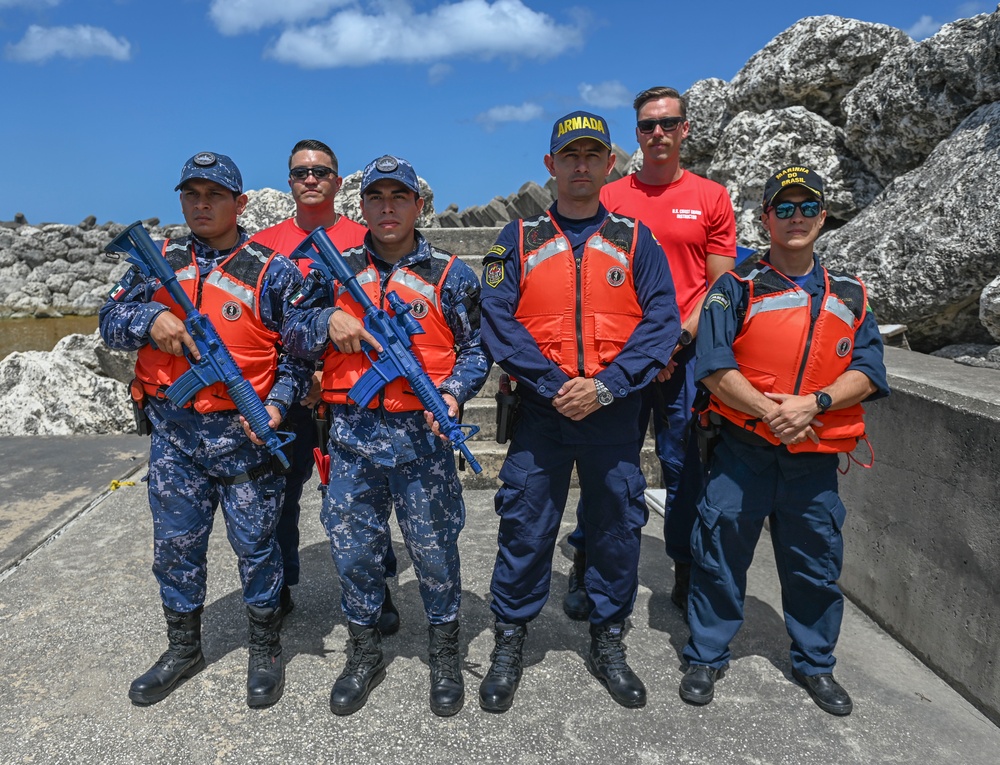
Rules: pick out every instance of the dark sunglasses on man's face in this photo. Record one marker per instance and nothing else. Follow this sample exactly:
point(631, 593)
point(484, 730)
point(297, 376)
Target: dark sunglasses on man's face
point(319, 172)
point(667, 124)
point(786, 210)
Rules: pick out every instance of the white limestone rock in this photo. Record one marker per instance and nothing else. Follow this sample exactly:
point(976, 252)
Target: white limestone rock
point(51, 395)
point(920, 93)
point(929, 244)
point(989, 308)
point(814, 63)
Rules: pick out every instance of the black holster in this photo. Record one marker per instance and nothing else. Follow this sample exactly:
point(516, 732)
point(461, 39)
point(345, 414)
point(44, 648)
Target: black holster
point(707, 426)
point(507, 405)
point(137, 397)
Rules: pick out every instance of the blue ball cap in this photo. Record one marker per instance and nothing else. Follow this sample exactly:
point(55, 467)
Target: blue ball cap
point(388, 166)
point(212, 167)
point(579, 125)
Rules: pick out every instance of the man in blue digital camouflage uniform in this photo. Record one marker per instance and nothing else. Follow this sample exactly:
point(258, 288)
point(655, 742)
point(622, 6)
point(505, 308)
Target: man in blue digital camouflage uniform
point(387, 455)
point(201, 456)
point(579, 307)
point(789, 350)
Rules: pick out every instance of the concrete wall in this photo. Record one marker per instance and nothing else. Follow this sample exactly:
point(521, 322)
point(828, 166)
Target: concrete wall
point(923, 526)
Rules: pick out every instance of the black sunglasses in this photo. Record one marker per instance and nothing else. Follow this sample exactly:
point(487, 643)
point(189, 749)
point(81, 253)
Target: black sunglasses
point(319, 172)
point(668, 124)
point(810, 209)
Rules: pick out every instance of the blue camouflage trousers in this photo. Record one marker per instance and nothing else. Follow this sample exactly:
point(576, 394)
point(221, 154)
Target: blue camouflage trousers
point(427, 496)
point(183, 497)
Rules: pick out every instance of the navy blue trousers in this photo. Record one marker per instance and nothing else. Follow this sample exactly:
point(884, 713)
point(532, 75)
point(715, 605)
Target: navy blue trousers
point(536, 477)
point(299, 421)
point(746, 485)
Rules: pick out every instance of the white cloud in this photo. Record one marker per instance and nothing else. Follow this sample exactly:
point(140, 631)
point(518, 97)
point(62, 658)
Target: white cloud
point(438, 72)
point(397, 33)
point(606, 95)
point(924, 28)
point(526, 112)
point(42, 43)
point(233, 17)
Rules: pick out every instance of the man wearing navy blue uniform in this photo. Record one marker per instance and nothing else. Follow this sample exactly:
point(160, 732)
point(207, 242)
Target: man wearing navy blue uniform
point(201, 456)
point(579, 307)
point(386, 454)
point(788, 350)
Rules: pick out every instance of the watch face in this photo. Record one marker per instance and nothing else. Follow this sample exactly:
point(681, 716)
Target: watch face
point(823, 400)
point(604, 397)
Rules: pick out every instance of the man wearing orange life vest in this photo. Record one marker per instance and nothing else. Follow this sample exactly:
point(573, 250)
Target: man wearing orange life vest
point(314, 180)
point(385, 455)
point(579, 307)
point(788, 350)
point(200, 455)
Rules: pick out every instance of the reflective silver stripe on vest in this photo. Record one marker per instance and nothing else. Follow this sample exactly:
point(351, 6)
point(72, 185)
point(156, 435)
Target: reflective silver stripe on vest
point(603, 245)
point(779, 302)
point(839, 310)
point(844, 278)
point(186, 274)
point(554, 247)
point(757, 272)
point(619, 219)
point(365, 277)
point(238, 291)
point(417, 285)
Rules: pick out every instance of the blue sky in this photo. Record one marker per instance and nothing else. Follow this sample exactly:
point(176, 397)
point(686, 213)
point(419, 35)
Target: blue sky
point(105, 99)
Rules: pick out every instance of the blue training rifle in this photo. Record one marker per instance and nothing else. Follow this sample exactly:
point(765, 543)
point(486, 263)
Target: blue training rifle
point(216, 363)
point(393, 334)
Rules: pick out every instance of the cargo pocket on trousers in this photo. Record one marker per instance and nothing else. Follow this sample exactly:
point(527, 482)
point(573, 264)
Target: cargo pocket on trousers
point(706, 539)
point(513, 481)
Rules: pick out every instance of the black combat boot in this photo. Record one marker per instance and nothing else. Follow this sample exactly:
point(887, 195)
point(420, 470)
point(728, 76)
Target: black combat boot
point(364, 670)
point(447, 686)
point(682, 583)
point(266, 667)
point(496, 693)
point(388, 620)
point(182, 659)
point(606, 662)
point(576, 604)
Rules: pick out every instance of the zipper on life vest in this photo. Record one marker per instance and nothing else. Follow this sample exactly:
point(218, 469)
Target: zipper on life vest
point(382, 284)
point(579, 314)
point(805, 355)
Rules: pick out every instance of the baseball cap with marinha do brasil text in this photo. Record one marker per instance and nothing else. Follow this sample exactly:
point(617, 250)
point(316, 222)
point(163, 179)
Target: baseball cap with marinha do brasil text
point(796, 175)
point(578, 125)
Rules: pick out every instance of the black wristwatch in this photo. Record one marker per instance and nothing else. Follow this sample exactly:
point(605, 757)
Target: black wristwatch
point(823, 400)
point(604, 396)
point(685, 338)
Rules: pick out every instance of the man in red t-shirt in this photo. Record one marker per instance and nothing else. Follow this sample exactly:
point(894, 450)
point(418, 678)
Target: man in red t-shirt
point(314, 180)
point(692, 217)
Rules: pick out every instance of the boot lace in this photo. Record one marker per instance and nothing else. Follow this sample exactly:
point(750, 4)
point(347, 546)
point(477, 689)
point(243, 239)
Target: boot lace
point(611, 653)
point(506, 655)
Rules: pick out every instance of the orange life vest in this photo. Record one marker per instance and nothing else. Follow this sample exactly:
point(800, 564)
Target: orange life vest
point(230, 298)
point(779, 349)
point(418, 284)
point(585, 337)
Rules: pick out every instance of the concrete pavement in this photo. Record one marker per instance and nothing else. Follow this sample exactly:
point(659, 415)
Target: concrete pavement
point(80, 617)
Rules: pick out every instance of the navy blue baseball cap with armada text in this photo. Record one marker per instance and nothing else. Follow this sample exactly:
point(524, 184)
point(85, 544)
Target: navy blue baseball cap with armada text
point(393, 168)
point(578, 125)
point(212, 167)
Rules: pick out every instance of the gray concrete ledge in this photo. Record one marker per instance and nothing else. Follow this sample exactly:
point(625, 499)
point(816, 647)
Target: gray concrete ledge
point(923, 550)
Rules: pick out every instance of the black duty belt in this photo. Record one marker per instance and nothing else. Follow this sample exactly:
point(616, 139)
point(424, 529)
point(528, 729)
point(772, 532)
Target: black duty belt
point(743, 435)
point(251, 475)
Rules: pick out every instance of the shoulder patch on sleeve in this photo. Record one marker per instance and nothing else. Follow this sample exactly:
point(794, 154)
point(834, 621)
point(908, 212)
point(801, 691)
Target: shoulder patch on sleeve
point(498, 250)
point(719, 299)
point(493, 272)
